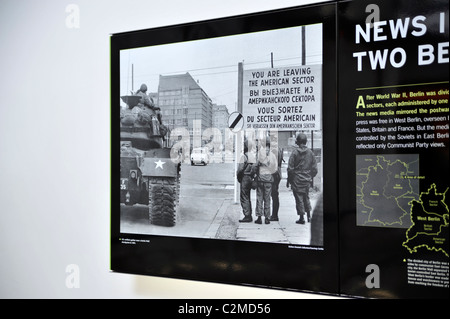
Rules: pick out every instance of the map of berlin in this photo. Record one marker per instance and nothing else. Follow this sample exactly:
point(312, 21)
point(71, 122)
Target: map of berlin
point(429, 216)
point(385, 187)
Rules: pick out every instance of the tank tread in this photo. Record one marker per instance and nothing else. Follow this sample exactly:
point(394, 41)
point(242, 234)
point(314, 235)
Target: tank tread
point(163, 200)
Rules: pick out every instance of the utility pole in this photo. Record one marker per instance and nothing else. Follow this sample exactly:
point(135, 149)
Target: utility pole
point(238, 135)
point(303, 45)
point(304, 63)
point(240, 84)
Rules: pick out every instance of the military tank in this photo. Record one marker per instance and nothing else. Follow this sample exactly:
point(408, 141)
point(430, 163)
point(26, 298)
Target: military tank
point(148, 176)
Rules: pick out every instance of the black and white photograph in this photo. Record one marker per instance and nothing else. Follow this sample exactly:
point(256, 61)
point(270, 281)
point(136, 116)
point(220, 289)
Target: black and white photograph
point(221, 138)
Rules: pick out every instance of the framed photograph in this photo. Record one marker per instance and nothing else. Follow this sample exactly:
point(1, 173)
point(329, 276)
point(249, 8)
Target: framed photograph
point(223, 150)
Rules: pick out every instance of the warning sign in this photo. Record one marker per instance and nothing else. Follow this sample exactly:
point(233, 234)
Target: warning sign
point(288, 98)
point(235, 122)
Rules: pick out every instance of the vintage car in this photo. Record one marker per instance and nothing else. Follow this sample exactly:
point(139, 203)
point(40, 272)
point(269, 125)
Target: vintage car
point(200, 155)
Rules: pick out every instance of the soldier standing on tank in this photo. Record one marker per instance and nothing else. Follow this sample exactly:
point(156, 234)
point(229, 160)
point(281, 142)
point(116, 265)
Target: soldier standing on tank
point(145, 107)
point(146, 112)
point(145, 101)
point(302, 168)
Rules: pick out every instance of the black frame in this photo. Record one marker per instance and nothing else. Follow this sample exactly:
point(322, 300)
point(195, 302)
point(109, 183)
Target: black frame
point(236, 262)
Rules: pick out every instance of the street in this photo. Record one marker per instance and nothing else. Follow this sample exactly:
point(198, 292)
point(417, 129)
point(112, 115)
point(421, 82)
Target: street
point(203, 192)
point(207, 210)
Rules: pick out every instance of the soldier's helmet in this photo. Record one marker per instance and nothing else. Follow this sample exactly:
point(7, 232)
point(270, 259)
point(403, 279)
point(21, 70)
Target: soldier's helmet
point(301, 139)
point(143, 88)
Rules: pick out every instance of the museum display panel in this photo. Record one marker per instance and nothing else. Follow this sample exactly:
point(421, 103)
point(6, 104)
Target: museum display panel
point(303, 149)
point(394, 147)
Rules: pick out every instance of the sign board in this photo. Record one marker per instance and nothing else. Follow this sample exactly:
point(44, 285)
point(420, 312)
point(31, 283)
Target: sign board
point(287, 98)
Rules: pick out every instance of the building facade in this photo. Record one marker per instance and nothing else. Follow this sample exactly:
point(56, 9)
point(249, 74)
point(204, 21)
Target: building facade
point(220, 117)
point(184, 104)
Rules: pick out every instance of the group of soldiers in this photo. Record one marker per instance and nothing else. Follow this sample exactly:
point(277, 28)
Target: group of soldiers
point(260, 169)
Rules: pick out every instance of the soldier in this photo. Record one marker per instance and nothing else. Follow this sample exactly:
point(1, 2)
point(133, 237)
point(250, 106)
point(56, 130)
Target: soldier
point(146, 112)
point(267, 165)
point(245, 173)
point(145, 99)
point(302, 168)
point(278, 152)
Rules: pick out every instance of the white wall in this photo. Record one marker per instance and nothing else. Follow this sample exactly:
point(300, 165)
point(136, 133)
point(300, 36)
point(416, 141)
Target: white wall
point(55, 152)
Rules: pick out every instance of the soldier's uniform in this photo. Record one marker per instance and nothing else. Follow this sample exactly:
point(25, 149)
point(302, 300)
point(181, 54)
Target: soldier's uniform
point(275, 186)
point(267, 167)
point(302, 168)
point(246, 169)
